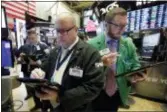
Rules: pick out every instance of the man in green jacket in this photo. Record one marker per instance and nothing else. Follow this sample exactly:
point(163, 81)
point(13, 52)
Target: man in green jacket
point(119, 56)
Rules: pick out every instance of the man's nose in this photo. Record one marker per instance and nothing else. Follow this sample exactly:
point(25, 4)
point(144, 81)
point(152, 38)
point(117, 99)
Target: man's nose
point(61, 34)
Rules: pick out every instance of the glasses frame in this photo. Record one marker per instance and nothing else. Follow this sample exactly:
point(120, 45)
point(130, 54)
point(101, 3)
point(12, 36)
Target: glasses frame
point(64, 31)
point(118, 26)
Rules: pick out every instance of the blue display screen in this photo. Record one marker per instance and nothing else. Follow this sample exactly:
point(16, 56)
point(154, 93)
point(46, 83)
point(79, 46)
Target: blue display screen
point(6, 54)
point(147, 18)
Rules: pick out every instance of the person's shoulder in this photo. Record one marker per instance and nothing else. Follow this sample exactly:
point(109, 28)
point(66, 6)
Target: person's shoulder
point(54, 50)
point(42, 43)
point(24, 46)
point(95, 40)
point(127, 40)
point(89, 48)
point(89, 52)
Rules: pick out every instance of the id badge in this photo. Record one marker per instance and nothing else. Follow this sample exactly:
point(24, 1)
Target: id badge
point(104, 51)
point(38, 48)
point(76, 72)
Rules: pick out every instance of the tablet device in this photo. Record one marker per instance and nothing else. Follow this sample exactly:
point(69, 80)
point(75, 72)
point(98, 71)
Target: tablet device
point(38, 83)
point(139, 70)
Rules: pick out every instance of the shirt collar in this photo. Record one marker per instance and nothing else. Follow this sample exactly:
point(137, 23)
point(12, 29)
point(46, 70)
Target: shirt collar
point(73, 44)
point(108, 38)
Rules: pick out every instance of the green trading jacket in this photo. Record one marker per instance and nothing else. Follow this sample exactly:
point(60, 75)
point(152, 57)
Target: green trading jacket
point(127, 61)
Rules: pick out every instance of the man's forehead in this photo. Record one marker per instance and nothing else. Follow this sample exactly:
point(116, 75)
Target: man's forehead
point(64, 23)
point(120, 19)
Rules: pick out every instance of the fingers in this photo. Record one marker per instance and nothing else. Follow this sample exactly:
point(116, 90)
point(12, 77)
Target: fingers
point(47, 94)
point(48, 91)
point(50, 88)
point(109, 59)
point(137, 78)
point(34, 75)
point(110, 55)
point(22, 54)
point(42, 96)
point(37, 73)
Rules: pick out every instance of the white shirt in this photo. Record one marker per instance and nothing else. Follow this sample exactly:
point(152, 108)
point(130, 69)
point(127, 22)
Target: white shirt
point(58, 74)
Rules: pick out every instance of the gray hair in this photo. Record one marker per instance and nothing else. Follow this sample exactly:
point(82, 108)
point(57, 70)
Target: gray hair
point(66, 15)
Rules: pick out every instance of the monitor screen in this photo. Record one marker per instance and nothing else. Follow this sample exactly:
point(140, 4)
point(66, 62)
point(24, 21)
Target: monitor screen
point(86, 19)
point(88, 12)
point(137, 21)
point(21, 33)
point(164, 22)
point(151, 40)
point(3, 16)
point(145, 17)
point(153, 16)
point(148, 44)
point(160, 15)
point(7, 60)
point(51, 32)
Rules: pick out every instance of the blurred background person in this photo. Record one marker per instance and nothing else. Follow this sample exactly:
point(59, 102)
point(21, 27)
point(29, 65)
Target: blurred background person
point(31, 55)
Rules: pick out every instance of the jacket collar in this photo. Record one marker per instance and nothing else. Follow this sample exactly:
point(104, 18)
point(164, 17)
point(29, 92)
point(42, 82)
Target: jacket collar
point(77, 50)
point(102, 40)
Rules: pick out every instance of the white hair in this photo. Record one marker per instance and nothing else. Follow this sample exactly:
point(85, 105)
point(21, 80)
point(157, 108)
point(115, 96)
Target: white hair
point(66, 15)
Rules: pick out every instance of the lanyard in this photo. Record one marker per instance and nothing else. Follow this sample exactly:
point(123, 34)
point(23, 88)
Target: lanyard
point(60, 62)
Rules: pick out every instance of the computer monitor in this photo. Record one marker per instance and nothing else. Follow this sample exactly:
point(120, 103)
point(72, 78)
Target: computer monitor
point(3, 18)
point(7, 55)
point(148, 44)
point(4, 26)
point(88, 12)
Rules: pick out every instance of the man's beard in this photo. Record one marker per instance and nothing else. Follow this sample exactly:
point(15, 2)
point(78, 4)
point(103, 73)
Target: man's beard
point(112, 36)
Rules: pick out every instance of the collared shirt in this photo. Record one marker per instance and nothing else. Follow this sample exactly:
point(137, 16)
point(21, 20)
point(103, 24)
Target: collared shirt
point(64, 51)
point(58, 74)
point(112, 44)
point(111, 85)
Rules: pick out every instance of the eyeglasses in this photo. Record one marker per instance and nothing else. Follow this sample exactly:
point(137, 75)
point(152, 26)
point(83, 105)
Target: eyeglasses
point(63, 30)
point(116, 25)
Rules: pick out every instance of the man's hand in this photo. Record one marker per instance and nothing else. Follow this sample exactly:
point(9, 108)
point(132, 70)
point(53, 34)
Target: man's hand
point(21, 58)
point(22, 54)
point(109, 59)
point(48, 94)
point(37, 74)
point(137, 77)
point(32, 62)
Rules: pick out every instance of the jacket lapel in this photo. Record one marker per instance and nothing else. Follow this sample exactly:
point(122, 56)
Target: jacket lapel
point(74, 58)
point(77, 50)
point(122, 52)
point(101, 43)
point(54, 59)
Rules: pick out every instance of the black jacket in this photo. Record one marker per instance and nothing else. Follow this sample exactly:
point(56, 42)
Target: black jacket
point(76, 94)
point(35, 54)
